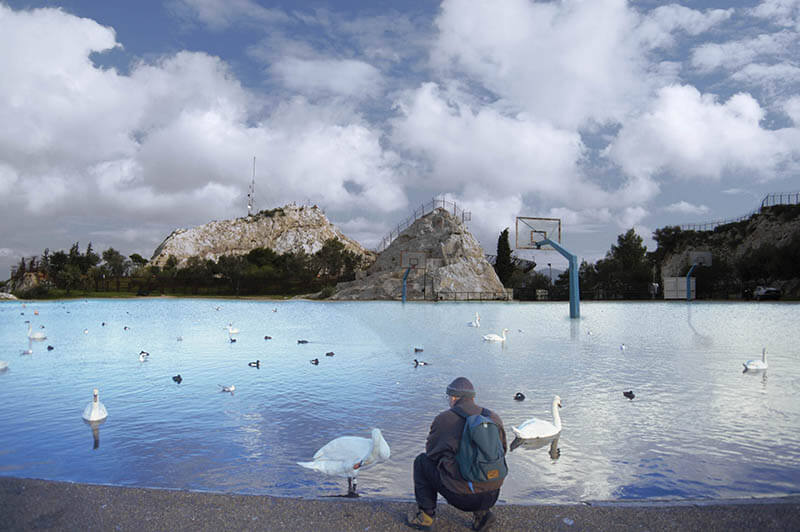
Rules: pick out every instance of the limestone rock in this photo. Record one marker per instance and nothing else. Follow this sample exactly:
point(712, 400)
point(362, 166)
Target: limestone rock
point(286, 229)
point(456, 266)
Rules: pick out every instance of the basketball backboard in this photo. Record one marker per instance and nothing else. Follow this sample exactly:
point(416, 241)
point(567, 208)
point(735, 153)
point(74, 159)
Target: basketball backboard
point(413, 259)
point(701, 258)
point(531, 230)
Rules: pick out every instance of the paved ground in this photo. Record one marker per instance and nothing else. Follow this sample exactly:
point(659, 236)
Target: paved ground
point(27, 504)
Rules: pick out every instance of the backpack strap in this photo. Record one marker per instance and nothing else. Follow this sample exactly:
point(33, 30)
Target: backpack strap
point(460, 412)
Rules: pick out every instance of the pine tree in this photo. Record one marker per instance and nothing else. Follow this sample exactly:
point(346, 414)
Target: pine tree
point(503, 265)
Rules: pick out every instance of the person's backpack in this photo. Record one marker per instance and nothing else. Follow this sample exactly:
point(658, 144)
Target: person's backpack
point(480, 455)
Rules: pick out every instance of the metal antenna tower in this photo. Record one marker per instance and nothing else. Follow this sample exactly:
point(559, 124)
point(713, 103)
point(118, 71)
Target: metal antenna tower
point(252, 192)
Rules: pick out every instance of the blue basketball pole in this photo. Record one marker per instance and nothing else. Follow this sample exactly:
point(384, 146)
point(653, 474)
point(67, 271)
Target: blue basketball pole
point(405, 276)
point(689, 283)
point(574, 286)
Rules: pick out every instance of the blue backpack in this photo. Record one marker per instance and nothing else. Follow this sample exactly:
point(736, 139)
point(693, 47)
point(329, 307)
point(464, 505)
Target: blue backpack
point(480, 455)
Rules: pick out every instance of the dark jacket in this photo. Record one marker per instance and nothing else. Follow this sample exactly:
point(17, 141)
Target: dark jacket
point(443, 441)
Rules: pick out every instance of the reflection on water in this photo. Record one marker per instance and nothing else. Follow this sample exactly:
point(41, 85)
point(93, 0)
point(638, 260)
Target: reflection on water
point(538, 443)
point(95, 426)
point(698, 427)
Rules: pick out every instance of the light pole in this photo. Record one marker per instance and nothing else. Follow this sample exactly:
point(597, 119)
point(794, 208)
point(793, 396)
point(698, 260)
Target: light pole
point(551, 272)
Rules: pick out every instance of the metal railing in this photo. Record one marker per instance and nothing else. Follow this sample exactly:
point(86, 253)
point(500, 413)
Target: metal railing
point(770, 200)
point(505, 295)
point(419, 212)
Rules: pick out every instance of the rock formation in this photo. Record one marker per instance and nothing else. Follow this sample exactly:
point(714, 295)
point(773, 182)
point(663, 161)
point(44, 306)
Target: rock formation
point(285, 229)
point(455, 267)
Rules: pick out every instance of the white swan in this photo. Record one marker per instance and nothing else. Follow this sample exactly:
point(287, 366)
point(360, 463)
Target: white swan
point(38, 335)
point(347, 455)
point(476, 322)
point(495, 338)
point(95, 411)
point(538, 428)
point(753, 365)
point(231, 329)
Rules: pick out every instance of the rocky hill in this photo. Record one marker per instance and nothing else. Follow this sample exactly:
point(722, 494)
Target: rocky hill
point(455, 265)
point(285, 229)
point(764, 248)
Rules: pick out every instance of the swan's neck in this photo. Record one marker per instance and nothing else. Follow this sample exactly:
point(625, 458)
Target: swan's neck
point(556, 416)
point(504, 335)
point(764, 355)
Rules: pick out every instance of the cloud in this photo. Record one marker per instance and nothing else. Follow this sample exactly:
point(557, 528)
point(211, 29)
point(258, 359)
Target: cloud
point(343, 77)
point(222, 14)
point(684, 207)
point(569, 63)
point(693, 136)
point(781, 12)
point(792, 108)
point(733, 55)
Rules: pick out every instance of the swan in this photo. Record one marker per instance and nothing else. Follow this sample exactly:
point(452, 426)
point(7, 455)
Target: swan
point(754, 365)
point(231, 329)
point(347, 455)
point(538, 428)
point(38, 335)
point(95, 411)
point(3, 365)
point(495, 338)
point(228, 389)
point(476, 322)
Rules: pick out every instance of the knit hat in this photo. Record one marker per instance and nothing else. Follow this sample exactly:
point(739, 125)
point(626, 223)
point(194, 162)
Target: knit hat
point(461, 387)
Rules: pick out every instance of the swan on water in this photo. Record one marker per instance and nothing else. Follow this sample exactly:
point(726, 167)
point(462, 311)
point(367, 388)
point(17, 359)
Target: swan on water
point(754, 365)
point(229, 389)
point(347, 455)
point(475, 322)
point(495, 338)
point(539, 428)
point(95, 411)
point(38, 335)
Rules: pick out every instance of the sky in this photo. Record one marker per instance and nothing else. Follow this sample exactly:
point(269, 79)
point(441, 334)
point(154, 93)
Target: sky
point(124, 121)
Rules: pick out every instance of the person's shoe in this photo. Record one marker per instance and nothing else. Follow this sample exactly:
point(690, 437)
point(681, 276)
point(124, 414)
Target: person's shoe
point(482, 520)
point(421, 520)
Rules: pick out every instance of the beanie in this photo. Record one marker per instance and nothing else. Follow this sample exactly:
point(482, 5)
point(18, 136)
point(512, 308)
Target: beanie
point(461, 387)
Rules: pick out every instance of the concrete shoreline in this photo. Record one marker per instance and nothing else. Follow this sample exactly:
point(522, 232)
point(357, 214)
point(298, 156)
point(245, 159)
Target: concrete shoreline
point(31, 504)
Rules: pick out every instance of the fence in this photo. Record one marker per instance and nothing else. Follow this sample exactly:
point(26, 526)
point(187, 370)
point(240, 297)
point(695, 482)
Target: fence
point(422, 210)
point(770, 200)
point(474, 296)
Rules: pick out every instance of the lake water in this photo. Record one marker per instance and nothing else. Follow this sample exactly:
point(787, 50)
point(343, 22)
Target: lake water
point(698, 427)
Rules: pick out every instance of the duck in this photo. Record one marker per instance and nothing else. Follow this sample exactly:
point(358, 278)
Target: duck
point(302, 341)
point(50, 347)
point(177, 378)
point(38, 335)
point(95, 411)
point(330, 354)
point(345, 456)
point(623, 347)
point(227, 389)
point(419, 363)
point(256, 364)
point(86, 331)
point(755, 365)
point(232, 340)
point(495, 338)
point(418, 350)
point(629, 394)
point(315, 361)
point(475, 322)
point(143, 356)
point(268, 338)
point(538, 428)
point(179, 338)
point(519, 396)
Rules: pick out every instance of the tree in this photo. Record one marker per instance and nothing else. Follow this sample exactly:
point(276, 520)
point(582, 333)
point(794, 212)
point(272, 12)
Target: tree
point(90, 259)
point(116, 263)
point(503, 265)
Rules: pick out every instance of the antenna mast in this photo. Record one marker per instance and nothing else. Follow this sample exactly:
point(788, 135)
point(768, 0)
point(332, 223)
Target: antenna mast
point(252, 192)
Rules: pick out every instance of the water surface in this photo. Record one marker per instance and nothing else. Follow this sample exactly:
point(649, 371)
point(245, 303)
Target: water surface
point(698, 427)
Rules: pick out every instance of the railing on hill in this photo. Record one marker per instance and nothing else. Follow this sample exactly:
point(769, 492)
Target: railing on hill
point(422, 210)
point(770, 200)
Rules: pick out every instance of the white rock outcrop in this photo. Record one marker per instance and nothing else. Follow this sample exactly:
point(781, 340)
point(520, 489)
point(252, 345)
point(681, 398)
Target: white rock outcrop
point(456, 267)
point(286, 229)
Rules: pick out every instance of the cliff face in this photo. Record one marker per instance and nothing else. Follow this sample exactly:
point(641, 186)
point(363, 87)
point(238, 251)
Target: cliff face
point(285, 229)
point(455, 264)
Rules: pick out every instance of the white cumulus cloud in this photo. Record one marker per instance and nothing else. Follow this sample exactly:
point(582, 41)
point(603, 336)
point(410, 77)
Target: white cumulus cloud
point(684, 207)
